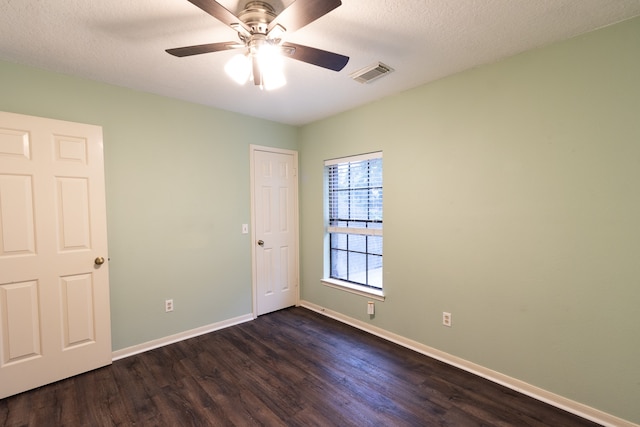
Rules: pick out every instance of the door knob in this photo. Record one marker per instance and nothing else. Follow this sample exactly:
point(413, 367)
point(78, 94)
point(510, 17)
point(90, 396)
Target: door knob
point(260, 242)
point(99, 260)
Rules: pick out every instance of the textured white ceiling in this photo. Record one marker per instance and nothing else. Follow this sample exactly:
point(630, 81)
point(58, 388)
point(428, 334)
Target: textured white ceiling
point(122, 42)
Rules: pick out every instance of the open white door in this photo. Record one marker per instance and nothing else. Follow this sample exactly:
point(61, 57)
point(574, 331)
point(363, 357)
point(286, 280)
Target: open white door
point(275, 228)
point(54, 285)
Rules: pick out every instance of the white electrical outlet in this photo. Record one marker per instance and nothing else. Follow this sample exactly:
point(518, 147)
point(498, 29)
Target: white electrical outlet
point(446, 318)
point(168, 305)
point(370, 307)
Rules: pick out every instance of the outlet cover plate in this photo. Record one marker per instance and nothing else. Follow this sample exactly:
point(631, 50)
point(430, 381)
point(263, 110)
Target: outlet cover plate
point(446, 319)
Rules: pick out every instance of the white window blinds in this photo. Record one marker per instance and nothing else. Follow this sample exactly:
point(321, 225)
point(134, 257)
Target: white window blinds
point(355, 194)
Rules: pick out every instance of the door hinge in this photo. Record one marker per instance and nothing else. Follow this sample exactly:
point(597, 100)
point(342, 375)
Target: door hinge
point(295, 172)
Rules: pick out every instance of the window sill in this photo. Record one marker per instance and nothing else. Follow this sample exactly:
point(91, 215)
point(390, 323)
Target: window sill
point(354, 289)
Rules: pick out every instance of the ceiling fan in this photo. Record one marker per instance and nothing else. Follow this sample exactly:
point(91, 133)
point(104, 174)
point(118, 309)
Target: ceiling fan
point(260, 31)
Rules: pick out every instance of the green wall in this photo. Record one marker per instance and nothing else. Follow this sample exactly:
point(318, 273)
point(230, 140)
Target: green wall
point(177, 178)
point(512, 200)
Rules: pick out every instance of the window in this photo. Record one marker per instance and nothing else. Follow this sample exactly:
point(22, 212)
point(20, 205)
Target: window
point(354, 197)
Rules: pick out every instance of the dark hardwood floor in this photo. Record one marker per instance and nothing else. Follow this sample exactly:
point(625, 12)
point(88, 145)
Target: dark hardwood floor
point(289, 368)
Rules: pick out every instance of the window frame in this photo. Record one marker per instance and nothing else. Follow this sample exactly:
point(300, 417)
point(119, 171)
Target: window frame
point(327, 280)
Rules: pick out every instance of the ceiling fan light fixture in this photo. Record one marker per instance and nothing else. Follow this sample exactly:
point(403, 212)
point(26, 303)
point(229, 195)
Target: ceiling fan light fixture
point(273, 79)
point(238, 68)
point(270, 64)
point(269, 57)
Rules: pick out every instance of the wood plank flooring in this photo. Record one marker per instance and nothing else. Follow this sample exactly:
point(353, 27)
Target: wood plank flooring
point(290, 368)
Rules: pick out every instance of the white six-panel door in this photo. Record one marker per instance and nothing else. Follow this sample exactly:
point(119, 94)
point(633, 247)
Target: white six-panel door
point(275, 229)
point(54, 288)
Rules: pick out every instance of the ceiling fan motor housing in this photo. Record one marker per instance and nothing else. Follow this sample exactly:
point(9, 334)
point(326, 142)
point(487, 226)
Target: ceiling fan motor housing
point(257, 15)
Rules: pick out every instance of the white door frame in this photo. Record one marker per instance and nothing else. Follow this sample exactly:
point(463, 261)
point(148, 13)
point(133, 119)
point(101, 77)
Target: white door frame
point(254, 279)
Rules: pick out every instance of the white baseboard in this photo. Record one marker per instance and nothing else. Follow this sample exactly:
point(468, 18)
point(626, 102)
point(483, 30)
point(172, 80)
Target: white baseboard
point(160, 342)
point(553, 399)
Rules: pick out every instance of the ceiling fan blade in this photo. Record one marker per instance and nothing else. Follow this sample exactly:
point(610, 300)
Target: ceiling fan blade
point(219, 12)
point(319, 57)
point(202, 48)
point(301, 13)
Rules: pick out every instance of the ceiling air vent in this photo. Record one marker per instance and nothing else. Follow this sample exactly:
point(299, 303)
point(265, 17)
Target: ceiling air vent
point(371, 73)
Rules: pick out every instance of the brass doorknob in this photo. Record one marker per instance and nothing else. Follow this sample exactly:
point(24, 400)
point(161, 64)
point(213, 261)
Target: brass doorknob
point(99, 260)
point(260, 242)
